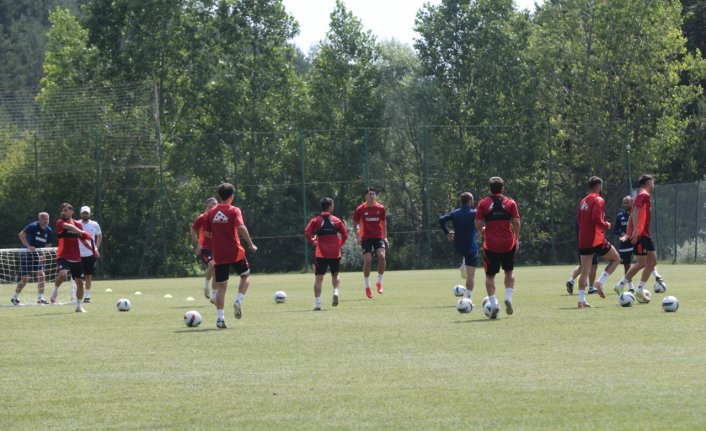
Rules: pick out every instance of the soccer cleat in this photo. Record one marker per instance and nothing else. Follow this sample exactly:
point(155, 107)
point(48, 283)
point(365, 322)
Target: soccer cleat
point(80, 309)
point(494, 313)
point(42, 301)
point(369, 292)
point(658, 279)
point(379, 287)
point(592, 290)
point(570, 287)
point(86, 300)
point(631, 290)
point(335, 300)
point(206, 292)
point(237, 311)
point(221, 324)
point(15, 301)
point(52, 299)
point(213, 299)
point(619, 288)
point(584, 304)
point(508, 307)
point(317, 308)
point(599, 289)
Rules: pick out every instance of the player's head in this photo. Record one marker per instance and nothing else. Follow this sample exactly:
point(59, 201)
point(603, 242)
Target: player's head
point(467, 199)
point(211, 202)
point(496, 185)
point(43, 219)
point(226, 191)
point(646, 182)
point(67, 210)
point(327, 204)
point(85, 213)
point(370, 194)
point(627, 203)
point(595, 184)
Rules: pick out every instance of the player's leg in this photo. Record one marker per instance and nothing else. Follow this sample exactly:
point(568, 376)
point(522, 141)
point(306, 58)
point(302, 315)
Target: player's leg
point(243, 269)
point(382, 263)
point(62, 271)
point(89, 264)
point(492, 267)
point(470, 262)
point(367, 262)
point(592, 275)
point(650, 263)
point(24, 279)
point(608, 252)
point(335, 281)
point(221, 276)
point(210, 282)
point(77, 275)
point(586, 261)
point(41, 278)
point(508, 264)
point(570, 282)
point(320, 267)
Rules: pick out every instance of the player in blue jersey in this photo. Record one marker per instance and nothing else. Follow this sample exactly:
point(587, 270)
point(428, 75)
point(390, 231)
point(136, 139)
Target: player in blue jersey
point(35, 235)
point(620, 229)
point(464, 237)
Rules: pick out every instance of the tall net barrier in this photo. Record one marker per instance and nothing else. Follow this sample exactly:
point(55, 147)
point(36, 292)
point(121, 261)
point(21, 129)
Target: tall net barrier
point(679, 223)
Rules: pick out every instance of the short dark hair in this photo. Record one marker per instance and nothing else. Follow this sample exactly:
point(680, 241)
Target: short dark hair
point(326, 204)
point(466, 197)
point(496, 185)
point(644, 179)
point(368, 190)
point(211, 199)
point(594, 181)
point(225, 191)
point(67, 205)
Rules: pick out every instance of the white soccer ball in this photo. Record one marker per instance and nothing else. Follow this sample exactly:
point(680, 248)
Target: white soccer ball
point(464, 305)
point(646, 296)
point(192, 318)
point(659, 287)
point(280, 297)
point(460, 290)
point(670, 303)
point(487, 308)
point(626, 299)
point(124, 305)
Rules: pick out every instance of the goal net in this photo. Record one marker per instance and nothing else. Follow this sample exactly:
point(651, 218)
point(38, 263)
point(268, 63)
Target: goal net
point(17, 263)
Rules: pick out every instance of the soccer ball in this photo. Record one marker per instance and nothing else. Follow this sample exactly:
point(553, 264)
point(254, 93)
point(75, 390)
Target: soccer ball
point(459, 290)
point(124, 305)
point(192, 318)
point(659, 287)
point(464, 305)
point(626, 299)
point(647, 296)
point(280, 297)
point(670, 303)
point(487, 308)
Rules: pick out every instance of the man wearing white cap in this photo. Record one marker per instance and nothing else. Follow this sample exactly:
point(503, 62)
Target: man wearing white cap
point(88, 255)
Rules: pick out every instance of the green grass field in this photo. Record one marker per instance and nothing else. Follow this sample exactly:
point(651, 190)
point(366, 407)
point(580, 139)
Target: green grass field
point(404, 360)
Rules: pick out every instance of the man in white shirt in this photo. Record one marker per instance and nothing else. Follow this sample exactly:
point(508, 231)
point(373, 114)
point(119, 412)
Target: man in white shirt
point(89, 256)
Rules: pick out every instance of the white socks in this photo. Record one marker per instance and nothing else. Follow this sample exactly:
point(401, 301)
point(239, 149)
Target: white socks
point(508, 293)
point(493, 300)
point(220, 315)
point(379, 278)
point(367, 281)
point(239, 298)
point(582, 295)
point(335, 291)
point(318, 301)
point(603, 278)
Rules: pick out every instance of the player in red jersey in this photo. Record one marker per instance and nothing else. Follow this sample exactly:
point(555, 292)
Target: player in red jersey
point(500, 238)
point(639, 235)
point(327, 233)
point(370, 225)
point(592, 224)
point(203, 248)
point(68, 255)
point(224, 226)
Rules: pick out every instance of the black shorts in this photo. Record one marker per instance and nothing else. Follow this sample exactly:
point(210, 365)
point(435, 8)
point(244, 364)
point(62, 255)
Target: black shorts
point(470, 258)
point(30, 263)
point(322, 264)
point(372, 244)
point(644, 244)
point(206, 255)
point(600, 250)
point(626, 257)
point(492, 261)
point(75, 268)
point(594, 261)
point(89, 264)
point(241, 267)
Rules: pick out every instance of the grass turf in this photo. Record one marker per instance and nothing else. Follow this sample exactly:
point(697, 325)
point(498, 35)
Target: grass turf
point(404, 360)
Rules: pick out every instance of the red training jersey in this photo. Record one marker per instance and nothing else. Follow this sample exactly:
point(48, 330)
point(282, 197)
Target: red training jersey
point(222, 221)
point(497, 211)
point(68, 241)
point(328, 233)
point(643, 200)
point(591, 220)
point(371, 220)
point(198, 227)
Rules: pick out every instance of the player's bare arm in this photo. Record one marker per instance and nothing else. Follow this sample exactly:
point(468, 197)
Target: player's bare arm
point(516, 232)
point(243, 232)
point(635, 216)
point(23, 240)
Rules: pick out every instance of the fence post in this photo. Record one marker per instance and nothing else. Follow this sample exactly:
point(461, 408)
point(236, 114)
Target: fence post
point(425, 183)
point(302, 156)
point(98, 203)
point(676, 195)
point(488, 147)
point(234, 145)
point(36, 166)
point(627, 147)
point(366, 171)
point(551, 190)
point(696, 231)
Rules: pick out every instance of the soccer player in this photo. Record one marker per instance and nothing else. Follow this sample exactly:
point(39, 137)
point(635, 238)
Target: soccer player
point(464, 237)
point(203, 248)
point(638, 234)
point(224, 226)
point(327, 233)
point(370, 225)
point(592, 223)
point(35, 235)
point(577, 271)
point(89, 255)
point(68, 256)
point(498, 225)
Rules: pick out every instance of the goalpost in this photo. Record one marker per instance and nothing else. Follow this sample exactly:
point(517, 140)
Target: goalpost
point(16, 263)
